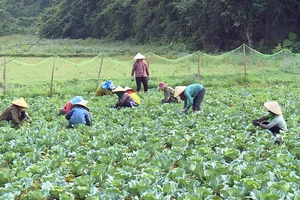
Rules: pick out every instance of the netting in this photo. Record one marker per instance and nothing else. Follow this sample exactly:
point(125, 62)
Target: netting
point(243, 63)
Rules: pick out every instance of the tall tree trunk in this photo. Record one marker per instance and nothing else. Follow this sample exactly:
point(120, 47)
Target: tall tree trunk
point(248, 35)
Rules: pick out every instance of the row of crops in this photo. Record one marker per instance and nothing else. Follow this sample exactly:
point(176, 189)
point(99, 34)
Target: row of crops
point(154, 151)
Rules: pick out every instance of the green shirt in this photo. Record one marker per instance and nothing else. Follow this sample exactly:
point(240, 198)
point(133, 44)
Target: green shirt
point(190, 92)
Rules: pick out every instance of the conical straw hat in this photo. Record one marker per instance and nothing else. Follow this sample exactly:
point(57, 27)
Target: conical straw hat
point(179, 90)
point(128, 88)
point(138, 56)
point(82, 104)
point(119, 89)
point(273, 107)
point(21, 103)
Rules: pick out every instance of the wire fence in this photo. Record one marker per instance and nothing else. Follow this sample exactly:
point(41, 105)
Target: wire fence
point(282, 66)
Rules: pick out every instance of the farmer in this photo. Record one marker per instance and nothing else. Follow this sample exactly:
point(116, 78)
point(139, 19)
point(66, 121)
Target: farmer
point(125, 100)
point(187, 93)
point(134, 95)
point(15, 112)
point(273, 120)
point(66, 109)
point(141, 71)
point(79, 114)
point(168, 93)
point(105, 88)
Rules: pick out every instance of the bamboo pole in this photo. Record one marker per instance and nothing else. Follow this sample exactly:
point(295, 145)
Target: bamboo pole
point(198, 67)
point(244, 61)
point(283, 66)
point(100, 68)
point(52, 77)
point(4, 76)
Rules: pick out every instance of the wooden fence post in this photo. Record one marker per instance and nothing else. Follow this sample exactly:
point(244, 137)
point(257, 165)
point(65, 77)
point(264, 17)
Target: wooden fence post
point(52, 77)
point(100, 68)
point(198, 67)
point(283, 66)
point(244, 61)
point(4, 76)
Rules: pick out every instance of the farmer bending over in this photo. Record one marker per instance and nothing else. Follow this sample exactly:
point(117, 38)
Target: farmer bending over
point(192, 95)
point(168, 93)
point(125, 100)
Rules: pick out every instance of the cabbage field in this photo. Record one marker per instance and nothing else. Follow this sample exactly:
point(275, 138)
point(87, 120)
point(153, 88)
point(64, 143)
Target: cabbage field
point(154, 151)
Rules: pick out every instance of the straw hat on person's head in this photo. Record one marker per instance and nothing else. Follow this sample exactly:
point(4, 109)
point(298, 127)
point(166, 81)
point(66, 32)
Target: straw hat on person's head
point(162, 85)
point(119, 89)
point(138, 56)
point(179, 90)
point(78, 99)
point(128, 88)
point(273, 107)
point(21, 103)
point(81, 104)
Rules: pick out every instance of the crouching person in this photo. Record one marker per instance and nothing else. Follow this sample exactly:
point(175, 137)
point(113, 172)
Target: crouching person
point(79, 114)
point(105, 88)
point(273, 121)
point(15, 113)
point(168, 93)
point(125, 99)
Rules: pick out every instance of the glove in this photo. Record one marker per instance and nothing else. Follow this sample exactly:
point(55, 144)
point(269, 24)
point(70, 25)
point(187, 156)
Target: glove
point(255, 123)
point(148, 78)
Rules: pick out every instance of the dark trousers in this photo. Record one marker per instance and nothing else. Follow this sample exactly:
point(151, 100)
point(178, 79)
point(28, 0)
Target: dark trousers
point(198, 100)
point(140, 80)
point(275, 129)
point(129, 104)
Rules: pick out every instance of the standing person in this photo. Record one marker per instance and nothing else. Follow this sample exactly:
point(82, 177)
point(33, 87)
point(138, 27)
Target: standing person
point(15, 112)
point(168, 93)
point(66, 109)
point(141, 71)
point(125, 100)
point(273, 120)
point(186, 93)
point(105, 88)
point(79, 114)
point(134, 95)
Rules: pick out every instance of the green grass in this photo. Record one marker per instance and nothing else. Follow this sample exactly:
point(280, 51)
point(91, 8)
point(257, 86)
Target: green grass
point(80, 61)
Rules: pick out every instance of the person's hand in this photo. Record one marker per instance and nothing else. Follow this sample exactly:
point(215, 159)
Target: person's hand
point(132, 79)
point(184, 110)
point(148, 78)
point(255, 123)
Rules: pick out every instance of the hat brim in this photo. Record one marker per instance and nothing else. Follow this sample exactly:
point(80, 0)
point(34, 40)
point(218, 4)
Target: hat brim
point(273, 107)
point(179, 90)
point(21, 103)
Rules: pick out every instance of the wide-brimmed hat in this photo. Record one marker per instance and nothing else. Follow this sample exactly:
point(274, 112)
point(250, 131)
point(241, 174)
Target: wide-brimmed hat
point(119, 89)
point(138, 56)
point(179, 90)
point(128, 88)
point(108, 85)
point(81, 104)
point(162, 85)
point(21, 103)
point(273, 107)
point(78, 99)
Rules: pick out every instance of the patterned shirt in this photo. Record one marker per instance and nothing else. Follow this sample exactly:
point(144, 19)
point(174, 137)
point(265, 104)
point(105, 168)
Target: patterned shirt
point(168, 92)
point(140, 68)
point(125, 98)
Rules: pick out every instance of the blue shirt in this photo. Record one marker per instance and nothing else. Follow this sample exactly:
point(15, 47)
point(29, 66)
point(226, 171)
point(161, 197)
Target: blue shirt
point(191, 91)
point(79, 115)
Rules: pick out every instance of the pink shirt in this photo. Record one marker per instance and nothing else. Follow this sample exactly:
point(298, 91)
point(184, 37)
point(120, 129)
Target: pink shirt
point(140, 68)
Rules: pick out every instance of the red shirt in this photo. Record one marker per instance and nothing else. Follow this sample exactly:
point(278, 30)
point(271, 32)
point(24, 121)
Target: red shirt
point(68, 107)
